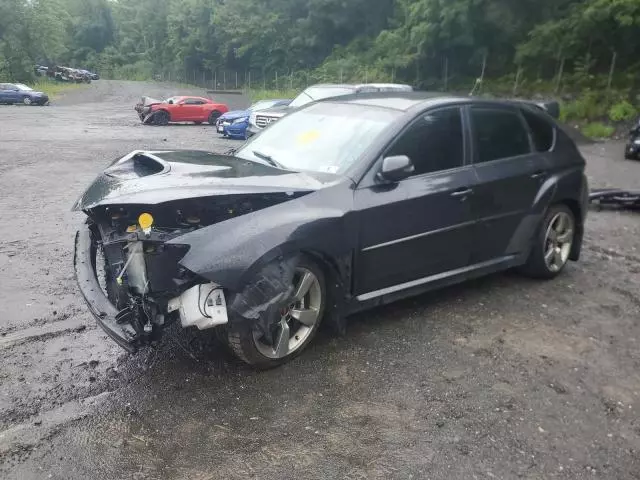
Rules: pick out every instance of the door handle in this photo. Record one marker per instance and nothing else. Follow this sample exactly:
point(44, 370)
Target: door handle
point(462, 192)
point(539, 174)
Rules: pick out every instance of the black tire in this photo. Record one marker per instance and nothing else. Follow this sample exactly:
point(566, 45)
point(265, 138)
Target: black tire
point(161, 118)
point(536, 266)
point(213, 117)
point(240, 335)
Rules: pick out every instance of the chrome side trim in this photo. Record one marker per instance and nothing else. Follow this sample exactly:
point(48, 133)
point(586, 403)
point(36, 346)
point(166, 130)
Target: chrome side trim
point(432, 278)
point(419, 235)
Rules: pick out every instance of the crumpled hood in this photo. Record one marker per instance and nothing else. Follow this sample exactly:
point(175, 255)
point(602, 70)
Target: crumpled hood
point(235, 114)
point(153, 177)
point(146, 101)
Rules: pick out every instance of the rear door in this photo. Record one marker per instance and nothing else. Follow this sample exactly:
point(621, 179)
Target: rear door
point(510, 173)
point(422, 225)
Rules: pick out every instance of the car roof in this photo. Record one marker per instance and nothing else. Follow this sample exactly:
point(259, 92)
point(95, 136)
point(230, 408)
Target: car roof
point(359, 86)
point(183, 97)
point(404, 101)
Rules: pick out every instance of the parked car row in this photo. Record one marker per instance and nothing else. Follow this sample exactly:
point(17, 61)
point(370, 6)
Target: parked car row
point(66, 74)
point(351, 199)
point(12, 93)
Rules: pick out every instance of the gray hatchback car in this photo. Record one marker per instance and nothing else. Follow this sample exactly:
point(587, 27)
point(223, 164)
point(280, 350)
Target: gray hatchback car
point(342, 205)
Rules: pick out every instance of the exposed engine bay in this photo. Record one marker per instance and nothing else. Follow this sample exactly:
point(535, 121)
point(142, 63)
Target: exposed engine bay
point(139, 210)
point(139, 271)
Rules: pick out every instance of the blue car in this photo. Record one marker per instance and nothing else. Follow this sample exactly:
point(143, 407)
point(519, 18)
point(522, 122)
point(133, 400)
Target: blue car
point(11, 93)
point(234, 124)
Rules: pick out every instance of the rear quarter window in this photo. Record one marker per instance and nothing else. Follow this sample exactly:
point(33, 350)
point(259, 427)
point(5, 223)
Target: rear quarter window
point(543, 132)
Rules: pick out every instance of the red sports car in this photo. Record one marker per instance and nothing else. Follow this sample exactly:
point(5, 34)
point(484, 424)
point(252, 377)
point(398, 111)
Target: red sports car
point(179, 109)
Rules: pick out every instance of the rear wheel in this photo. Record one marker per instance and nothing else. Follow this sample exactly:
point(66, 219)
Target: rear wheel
point(213, 117)
point(161, 118)
point(552, 247)
point(296, 326)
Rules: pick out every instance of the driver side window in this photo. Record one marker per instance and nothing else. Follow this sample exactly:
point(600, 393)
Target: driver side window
point(434, 142)
point(193, 101)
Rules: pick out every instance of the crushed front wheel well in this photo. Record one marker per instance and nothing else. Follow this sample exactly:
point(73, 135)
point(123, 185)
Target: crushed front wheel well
point(337, 291)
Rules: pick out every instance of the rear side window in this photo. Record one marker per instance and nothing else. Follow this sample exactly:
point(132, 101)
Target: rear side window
point(542, 132)
point(193, 101)
point(498, 133)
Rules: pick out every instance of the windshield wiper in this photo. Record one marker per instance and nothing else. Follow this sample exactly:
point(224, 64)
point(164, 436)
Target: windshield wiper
point(267, 158)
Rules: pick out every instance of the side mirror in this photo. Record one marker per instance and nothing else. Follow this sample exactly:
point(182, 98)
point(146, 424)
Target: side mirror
point(396, 168)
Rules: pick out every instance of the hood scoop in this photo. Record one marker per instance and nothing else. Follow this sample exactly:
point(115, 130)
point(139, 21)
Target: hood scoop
point(137, 165)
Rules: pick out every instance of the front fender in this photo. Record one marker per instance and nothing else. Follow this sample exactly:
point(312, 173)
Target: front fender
point(230, 253)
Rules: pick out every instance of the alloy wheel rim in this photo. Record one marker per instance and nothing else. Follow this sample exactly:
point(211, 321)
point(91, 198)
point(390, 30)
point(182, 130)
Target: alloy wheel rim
point(27, 101)
point(297, 320)
point(558, 241)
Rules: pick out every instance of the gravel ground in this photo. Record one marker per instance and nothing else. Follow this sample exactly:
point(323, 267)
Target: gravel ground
point(503, 377)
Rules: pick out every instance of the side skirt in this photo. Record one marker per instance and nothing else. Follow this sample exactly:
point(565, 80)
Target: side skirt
point(416, 287)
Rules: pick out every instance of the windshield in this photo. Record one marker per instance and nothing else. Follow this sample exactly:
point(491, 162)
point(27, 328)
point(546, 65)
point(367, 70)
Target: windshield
point(324, 137)
point(23, 87)
point(171, 100)
point(312, 94)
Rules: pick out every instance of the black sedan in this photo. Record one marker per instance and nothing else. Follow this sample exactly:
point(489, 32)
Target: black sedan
point(343, 205)
point(11, 93)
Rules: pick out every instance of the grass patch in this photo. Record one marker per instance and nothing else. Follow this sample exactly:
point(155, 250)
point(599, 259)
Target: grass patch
point(56, 90)
point(598, 130)
point(622, 111)
point(271, 94)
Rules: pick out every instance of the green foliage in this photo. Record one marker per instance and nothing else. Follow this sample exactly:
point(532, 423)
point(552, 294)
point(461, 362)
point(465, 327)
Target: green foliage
point(56, 90)
point(556, 45)
point(622, 111)
point(589, 106)
point(272, 94)
point(598, 130)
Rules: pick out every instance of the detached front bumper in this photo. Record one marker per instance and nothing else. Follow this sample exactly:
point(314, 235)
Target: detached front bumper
point(99, 305)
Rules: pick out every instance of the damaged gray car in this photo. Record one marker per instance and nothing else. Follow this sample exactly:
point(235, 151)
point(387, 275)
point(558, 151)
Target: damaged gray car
point(343, 205)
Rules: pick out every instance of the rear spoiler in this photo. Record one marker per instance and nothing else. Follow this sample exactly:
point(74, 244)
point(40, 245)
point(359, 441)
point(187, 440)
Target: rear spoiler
point(552, 107)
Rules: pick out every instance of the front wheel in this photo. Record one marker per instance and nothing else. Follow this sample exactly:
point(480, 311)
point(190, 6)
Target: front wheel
point(296, 326)
point(552, 247)
point(161, 118)
point(213, 117)
point(27, 100)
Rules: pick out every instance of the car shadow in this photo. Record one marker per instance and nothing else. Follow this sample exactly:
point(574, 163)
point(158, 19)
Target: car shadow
point(203, 352)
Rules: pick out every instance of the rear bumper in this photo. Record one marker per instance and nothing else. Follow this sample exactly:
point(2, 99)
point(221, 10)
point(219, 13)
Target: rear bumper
point(99, 305)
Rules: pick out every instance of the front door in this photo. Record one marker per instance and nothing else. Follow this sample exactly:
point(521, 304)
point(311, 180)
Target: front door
point(510, 173)
point(419, 226)
point(191, 110)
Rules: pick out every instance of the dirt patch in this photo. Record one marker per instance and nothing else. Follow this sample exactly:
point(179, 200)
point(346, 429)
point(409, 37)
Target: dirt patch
point(500, 378)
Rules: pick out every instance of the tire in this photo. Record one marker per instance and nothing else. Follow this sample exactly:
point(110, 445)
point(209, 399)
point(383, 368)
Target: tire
point(552, 246)
point(161, 118)
point(242, 337)
point(27, 100)
point(213, 117)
